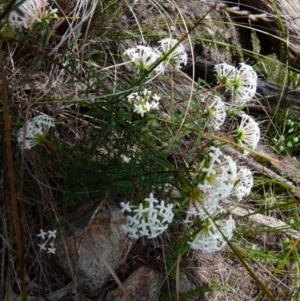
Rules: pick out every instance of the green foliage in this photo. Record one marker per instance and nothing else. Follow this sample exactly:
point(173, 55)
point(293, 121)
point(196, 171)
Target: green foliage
point(101, 147)
point(265, 256)
point(286, 141)
point(195, 293)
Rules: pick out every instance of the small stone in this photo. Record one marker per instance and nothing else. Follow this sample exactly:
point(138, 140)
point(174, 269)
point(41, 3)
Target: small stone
point(140, 286)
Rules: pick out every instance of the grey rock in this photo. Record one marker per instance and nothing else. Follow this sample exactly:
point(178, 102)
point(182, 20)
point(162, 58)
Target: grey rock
point(95, 241)
point(140, 286)
point(185, 285)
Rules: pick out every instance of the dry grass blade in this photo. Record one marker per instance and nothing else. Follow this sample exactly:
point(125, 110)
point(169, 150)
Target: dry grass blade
point(7, 9)
point(267, 221)
point(113, 274)
point(14, 201)
point(54, 296)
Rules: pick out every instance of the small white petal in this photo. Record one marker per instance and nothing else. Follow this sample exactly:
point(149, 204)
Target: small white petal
point(147, 106)
point(156, 98)
point(125, 207)
point(139, 109)
point(52, 234)
point(51, 250)
point(42, 234)
point(42, 246)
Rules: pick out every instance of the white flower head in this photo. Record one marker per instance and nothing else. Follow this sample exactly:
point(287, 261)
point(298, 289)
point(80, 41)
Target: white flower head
point(51, 250)
point(248, 133)
point(49, 241)
point(42, 234)
point(34, 11)
point(52, 233)
point(210, 239)
point(150, 219)
point(220, 174)
point(142, 57)
point(42, 246)
point(241, 82)
point(203, 207)
point(245, 84)
point(36, 130)
point(243, 183)
point(178, 57)
point(125, 207)
point(215, 111)
point(144, 101)
point(225, 73)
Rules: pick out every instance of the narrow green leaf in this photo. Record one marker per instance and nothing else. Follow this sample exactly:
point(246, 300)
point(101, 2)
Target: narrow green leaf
point(74, 40)
point(38, 60)
point(90, 54)
point(123, 183)
point(64, 54)
point(163, 163)
point(46, 34)
point(140, 180)
point(24, 38)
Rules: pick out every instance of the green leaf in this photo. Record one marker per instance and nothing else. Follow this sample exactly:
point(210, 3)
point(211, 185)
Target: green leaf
point(38, 60)
point(16, 8)
point(90, 54)
point(46, 34)
point(74, 40)
point(140, 182)
point(64, 54)
point(130, 168)
point(25, 38)
point(123, 183)
point(163, 164)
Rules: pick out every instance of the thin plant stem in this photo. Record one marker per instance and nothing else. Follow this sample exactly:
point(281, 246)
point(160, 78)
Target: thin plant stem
point(11, 175)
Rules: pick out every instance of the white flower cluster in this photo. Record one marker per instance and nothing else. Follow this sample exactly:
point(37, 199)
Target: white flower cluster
point(243, 183)
point(178, 56)
point(221, 178)
point(36, 130)
point(150, 219)
point(209, 239)
point(43, 235)
point(248, 133)
point(144, 57)
point(219, 175)
point(143, 101)
point(34, 11)
point(241, 82)
point(215, 110)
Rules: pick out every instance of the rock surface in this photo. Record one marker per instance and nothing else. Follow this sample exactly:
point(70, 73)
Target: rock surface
point(140, 286)
point(97, 239)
